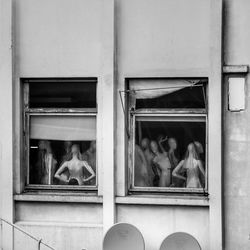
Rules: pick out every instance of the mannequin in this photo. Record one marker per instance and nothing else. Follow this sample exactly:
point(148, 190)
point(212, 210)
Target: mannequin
point(161, 160)
point(152, 172)
point(172, 143)
point(192, 165)
point(75, 167)
point(140, 169)
point(90, 157)
point(174, 160)
point(200, 152)
point(67, 151)
point(48, 163)
point(66, 157)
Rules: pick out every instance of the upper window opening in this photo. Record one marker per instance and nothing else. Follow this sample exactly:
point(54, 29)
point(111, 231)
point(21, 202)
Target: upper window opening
point(169, 94)
point(62, 94)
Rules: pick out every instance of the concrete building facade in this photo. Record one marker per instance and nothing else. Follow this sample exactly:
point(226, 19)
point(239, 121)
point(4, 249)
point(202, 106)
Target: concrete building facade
point(115, 41)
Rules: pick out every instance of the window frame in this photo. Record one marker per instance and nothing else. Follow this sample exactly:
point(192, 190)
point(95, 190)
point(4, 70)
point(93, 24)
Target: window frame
point(29, 112)
point(133, 113)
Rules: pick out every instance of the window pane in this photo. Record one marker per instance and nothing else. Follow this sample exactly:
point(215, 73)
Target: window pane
point(62, 150)
point(170, 93)
point(163, 143)
point(62, 94)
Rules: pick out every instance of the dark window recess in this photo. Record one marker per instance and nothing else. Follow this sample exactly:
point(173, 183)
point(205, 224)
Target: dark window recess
point(62, 94)
point(190, 98)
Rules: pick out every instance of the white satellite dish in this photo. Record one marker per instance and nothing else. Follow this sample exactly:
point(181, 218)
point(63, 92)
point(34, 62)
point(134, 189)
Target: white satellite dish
point(180, 241)
point(123, 236)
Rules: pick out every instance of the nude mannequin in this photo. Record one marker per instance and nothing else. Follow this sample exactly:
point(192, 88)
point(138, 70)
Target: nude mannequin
point(192, 165)
point(48, 163)
point(149, 158)
point(140, 168)
point(172, 143)
point(67, 148)
point(162, 162)
point(75, 167)
point(200, 151)
point(66, 157)
point(90, 157)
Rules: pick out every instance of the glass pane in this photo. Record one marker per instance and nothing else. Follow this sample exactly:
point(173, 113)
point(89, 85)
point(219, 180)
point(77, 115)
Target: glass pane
point(170, 153)
point(62, 150)
point(169, 93)
point(62, 94)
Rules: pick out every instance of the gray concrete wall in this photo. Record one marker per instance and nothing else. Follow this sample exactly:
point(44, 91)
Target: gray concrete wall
point(156, 222)
point(154, 38)
point(237, 131)
point(56, 39)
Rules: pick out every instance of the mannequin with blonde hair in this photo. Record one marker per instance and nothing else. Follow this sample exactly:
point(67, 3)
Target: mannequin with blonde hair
point(192, 165)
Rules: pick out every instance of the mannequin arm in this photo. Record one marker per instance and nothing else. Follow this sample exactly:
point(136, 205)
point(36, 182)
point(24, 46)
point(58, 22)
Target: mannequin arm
point(201, 167)
point(161, 140)
point(90, 170)
point(50, 168)
point(60, 171)
point(177, 169)
point(144, 171)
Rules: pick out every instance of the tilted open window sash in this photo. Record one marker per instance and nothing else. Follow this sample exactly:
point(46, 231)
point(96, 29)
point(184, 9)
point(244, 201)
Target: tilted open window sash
point(176, 108)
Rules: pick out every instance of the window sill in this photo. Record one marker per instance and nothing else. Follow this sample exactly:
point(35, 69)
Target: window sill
point(52, 197)
point(159, 200)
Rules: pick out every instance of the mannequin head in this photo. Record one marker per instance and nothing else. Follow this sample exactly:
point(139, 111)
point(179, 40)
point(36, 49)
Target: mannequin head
point(45, 145)
point(199, 147)
point(73, 182)
point(192, 151)
point(172, 143)
point(75, 151)
point(67, 145)
point(42, 145)
point(154, 147)
point(92, 146)
point(145, 143)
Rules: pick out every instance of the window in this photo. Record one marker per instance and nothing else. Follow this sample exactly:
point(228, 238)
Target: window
point(167, 130)
point(60, 133)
